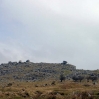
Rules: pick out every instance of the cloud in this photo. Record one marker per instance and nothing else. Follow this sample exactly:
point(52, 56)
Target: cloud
point(50, 31)
point(10, 52)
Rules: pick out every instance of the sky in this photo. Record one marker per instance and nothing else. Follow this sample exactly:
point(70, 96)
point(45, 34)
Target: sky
point(50, 31)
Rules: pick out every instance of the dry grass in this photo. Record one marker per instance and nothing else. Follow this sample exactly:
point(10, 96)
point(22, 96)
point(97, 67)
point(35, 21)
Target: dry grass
point(44, 90)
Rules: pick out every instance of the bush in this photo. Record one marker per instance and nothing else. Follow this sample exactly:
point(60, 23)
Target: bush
point(62, 77)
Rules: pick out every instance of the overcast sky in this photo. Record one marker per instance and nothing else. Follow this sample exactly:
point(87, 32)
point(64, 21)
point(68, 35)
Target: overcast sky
point(50, 31)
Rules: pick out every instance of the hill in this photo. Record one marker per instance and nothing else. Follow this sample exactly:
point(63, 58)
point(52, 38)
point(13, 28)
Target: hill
point(29, 71)
point(28, 80)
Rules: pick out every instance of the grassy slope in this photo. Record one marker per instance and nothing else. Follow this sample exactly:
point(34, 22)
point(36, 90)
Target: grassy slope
point(37, 90)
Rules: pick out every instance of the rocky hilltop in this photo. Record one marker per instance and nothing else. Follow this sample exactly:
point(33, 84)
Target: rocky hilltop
point(29, 71)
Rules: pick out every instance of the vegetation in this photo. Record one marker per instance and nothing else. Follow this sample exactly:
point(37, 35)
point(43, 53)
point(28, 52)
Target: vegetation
point(62, 77)
point(47, 90)
point(28, 80)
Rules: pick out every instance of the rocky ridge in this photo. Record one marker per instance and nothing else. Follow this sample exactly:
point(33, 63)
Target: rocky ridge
point(29, 71)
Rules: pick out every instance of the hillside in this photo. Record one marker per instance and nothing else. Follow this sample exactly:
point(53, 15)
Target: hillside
point(29, 71)
point(28, 80)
